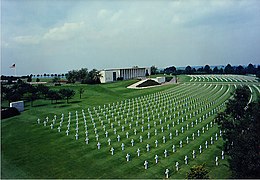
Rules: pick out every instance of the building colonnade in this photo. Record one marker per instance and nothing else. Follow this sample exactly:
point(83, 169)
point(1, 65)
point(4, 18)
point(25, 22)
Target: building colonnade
point(132, 73)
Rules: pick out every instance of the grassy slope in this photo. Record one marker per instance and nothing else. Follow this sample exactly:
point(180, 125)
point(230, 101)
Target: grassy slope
point(27, 152)
point(31, 151)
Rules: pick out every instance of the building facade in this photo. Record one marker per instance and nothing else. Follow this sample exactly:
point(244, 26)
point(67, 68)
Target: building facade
point(110, 75)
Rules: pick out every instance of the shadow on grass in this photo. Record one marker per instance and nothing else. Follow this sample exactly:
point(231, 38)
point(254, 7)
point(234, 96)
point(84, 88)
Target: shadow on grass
point(61, 106)
point(73, 102)
point(40, 105)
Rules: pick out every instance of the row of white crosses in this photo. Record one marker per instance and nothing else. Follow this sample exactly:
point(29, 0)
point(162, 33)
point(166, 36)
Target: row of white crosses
point(115, 129)
point(165, 151)
point(167, 171)
point(103, 118)
point(129, 109)
point(142, 120)
point(137, 121)
point(163, 137)
point(221, 78)
point(153, 118)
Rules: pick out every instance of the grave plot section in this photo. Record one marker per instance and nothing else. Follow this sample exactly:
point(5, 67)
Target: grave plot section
point(222, 78)
point(153, 136)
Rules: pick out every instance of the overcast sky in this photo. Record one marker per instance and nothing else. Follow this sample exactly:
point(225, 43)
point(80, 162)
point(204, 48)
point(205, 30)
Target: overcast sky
point(55, 36)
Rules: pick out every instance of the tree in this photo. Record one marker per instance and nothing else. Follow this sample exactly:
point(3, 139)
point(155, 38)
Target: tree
point(147, 73)
point(258, 71)
point(229, 69)
point(37, 80)
point(67, 93)
point(207, 69)
point(215, 70)
point(56, 80)
point(43, 90)
point(198, 172)
point(82, 75)
point(54, 95)
point(240, 123)
point(170, 70)
point(188, 70)
point(31, 97)
point(153, 70)
point(71, 76)
point(12, 95)
point(29, 79)
point(200, 70)
point(240, 70)
point(94, 77)
point(81, 91)
point(250, 69)
point(221, 71)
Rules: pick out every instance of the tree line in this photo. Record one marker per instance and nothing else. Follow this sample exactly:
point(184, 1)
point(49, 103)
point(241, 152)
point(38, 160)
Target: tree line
point(24, 91)
point(240, 123)
point(228, 69)
point(83, 76)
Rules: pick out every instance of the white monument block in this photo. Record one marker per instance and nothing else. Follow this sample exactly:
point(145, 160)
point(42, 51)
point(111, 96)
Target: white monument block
point(19, 105)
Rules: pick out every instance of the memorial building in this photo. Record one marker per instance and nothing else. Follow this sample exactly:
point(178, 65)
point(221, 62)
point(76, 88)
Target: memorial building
point(110, 75)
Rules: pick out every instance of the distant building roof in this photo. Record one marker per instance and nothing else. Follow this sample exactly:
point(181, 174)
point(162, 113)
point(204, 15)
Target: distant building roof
point(134, 67)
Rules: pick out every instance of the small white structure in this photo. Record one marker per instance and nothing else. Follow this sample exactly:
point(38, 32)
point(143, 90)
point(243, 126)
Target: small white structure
point(110, 75)
point(159, 79)
point(19, 105)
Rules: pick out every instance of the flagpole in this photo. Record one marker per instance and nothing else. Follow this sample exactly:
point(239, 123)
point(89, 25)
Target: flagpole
point(14, 67)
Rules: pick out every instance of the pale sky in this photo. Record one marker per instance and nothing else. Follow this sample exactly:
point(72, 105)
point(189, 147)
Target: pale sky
point(54, 36)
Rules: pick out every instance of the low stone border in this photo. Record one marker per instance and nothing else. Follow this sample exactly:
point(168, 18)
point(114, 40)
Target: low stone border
point(134, 86)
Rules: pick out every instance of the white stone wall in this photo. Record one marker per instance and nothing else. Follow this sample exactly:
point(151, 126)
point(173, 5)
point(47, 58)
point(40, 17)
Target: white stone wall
point(19, 105)
point(107, 75)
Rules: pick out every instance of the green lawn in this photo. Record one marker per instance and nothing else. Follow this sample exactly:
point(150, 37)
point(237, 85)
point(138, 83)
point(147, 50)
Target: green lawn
point(29, 150)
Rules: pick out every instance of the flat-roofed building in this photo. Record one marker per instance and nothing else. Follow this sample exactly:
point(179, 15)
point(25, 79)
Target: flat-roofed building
point(110, 75)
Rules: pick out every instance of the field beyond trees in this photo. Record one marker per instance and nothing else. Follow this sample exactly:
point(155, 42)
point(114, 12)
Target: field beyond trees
point(185, 110)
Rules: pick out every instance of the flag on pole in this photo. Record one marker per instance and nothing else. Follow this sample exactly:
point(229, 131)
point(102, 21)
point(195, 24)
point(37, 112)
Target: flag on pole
point(13, 66)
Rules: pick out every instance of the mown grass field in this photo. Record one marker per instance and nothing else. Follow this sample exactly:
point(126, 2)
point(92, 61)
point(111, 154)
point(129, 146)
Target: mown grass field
point(31, 150)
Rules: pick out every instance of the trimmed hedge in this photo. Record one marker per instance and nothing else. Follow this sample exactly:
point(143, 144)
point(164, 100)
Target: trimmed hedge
point(9, 112)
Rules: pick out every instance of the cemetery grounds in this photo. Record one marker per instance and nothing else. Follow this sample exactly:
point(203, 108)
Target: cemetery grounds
point(179, 114)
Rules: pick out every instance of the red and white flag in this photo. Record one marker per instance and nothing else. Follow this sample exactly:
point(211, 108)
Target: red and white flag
point(13, 66)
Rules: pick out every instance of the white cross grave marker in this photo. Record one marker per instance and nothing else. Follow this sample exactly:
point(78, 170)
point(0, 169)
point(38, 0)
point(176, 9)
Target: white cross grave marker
point(127, 157)
point(165, 153)
point(138, 152)
point(156, 158)
point(200, 148)
point(123, 146)
point(193, 154)
point(167, 173)
point(177, 166)
point(98, 145)
point(145, 165)
point(216, 160)
point(186, 159)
